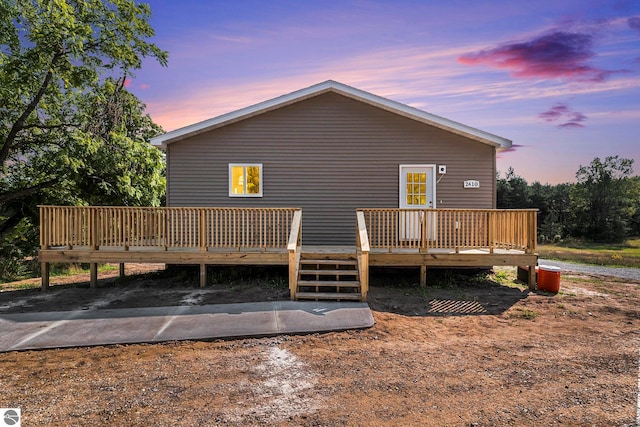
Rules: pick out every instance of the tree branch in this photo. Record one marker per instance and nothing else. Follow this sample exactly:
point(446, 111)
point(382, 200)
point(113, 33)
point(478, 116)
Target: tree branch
point(48, 127)
point(19, 124)
point(9, 224)
point(6, 197)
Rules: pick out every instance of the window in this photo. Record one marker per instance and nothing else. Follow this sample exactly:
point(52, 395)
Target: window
point(245, 180)
point(416, 189)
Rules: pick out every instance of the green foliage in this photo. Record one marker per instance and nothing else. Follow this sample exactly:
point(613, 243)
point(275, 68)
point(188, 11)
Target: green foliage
point(512, 192)
point(70, 133)
point(602, 198)
point(18, 251)
point(603, 206)
point(552, 202)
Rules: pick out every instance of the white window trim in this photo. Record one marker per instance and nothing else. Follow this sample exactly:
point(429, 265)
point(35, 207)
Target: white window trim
point(245, 165)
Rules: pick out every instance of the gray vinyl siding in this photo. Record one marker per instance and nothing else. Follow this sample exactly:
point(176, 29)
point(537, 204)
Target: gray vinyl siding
point(328, 155)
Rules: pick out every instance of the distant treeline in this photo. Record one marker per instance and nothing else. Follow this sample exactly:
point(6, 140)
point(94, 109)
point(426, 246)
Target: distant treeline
point(603, 205)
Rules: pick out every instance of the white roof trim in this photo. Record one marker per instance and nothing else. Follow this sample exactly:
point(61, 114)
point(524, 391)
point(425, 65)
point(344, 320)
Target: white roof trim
point(331, 86)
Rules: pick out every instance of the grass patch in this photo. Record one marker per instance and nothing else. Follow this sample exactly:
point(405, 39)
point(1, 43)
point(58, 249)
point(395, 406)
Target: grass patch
point(73, 269)
point(506, 276)
point(522, 313)
point(626, 254)
point(18, 286)
point(582, 279)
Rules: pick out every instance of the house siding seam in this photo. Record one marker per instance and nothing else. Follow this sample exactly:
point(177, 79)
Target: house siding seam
point(329, 155)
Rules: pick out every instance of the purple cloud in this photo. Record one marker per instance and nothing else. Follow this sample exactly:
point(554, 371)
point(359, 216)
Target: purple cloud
point(571, 125)
point(554, 113)
point(634, 23)
point(561, 112)
point(513, 148)
point(555, 55)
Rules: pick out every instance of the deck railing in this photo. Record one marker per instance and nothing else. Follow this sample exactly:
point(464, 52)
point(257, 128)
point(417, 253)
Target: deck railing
point(200, 228)
point(451, 229)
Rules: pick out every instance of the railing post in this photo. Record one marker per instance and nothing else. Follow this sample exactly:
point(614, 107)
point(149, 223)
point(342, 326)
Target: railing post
point(491, 230)
point(201, 230)
point(94, 229)
point(43, 221)
point(423, 231)
point(533, 232)
point(44, 227)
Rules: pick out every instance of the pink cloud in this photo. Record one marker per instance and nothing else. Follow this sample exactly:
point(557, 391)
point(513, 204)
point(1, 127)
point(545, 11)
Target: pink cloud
point(554, 55)
point(562, 112)
point(144, 86)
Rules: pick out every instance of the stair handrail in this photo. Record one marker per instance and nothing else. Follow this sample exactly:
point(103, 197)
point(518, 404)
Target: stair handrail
point(362, 251)
point(295, 248)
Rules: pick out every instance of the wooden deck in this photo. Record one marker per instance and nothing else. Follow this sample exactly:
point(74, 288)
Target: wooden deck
point(273, 236)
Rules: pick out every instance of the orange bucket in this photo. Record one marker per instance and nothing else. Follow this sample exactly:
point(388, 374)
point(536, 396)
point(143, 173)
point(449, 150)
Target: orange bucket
point(549, 278)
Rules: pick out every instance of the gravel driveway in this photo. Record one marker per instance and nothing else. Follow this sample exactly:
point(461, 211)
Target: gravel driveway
point(620, 272)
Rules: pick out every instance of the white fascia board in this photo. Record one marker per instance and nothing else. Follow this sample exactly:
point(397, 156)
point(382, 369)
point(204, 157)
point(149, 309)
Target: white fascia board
point(330, 85)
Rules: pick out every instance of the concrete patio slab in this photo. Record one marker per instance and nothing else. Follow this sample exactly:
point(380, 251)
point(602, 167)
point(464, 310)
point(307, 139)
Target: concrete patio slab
point(28, 331)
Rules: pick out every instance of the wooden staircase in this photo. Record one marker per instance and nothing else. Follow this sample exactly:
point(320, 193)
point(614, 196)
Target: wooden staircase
point(328, 276)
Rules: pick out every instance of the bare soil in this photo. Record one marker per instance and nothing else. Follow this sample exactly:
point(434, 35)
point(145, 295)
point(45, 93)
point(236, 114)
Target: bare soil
point(465, 351)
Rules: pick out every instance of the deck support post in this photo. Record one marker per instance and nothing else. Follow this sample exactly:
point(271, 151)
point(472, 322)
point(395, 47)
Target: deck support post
point(532, 278)
point(122, 270)
point(93, 271)
point(203, 275)
point(44, 272)
point(423, 276)
point(293, 275)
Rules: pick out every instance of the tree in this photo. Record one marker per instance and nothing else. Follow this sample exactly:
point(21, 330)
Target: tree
point(555, 210)
point(634, 211)
point(512, 191)
point(118, 165)
point(602, 200)
point(69, 130)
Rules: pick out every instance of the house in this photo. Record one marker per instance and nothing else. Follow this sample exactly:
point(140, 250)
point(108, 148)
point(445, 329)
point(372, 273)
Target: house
point(328, 180)
point(331, 149)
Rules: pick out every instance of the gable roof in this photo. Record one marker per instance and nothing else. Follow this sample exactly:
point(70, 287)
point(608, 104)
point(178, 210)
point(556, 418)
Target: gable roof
point(332, 86)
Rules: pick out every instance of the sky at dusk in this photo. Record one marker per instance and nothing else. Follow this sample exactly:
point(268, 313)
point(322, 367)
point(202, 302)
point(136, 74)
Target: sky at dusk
point(560, 78)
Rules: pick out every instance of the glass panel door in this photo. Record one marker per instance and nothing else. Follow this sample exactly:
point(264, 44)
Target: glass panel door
point(417, 191)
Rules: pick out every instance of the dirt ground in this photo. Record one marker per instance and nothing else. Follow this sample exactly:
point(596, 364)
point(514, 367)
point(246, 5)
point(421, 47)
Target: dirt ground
point(465, 351)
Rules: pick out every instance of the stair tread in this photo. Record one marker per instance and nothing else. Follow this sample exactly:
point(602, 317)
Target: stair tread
point(345, 283)
point(327, 295)
point(330, 272)
point(329, 261)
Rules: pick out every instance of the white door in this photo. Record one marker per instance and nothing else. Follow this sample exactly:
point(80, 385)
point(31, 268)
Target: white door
point(417, 191)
